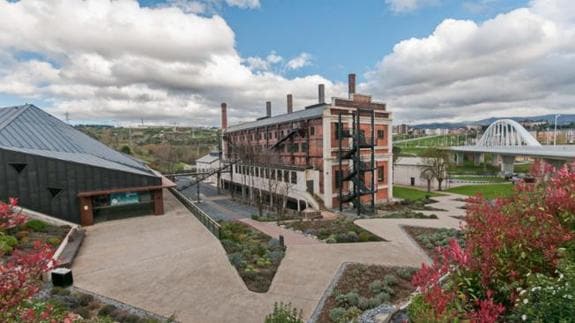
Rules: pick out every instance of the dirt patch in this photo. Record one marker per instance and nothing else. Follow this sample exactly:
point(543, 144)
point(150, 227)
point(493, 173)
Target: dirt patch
point(341, 230)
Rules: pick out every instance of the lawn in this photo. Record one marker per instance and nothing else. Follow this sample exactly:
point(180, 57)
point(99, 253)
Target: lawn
point(412, 193)
point(489, 191)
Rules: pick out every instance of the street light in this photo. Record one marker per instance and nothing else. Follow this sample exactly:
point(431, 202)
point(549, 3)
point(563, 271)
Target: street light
point(555, 132)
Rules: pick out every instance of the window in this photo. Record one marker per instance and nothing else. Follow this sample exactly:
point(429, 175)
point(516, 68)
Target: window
point(337, 126)
point(338, 179)
point(286, 176)
point(273, 174)
point(304, 147)
point(18, 167)
point(257, 172)
point(312, 131)
point(380, 134)
point(380, 174)
point(267, 172)
point(293, 177)
point(54, 191)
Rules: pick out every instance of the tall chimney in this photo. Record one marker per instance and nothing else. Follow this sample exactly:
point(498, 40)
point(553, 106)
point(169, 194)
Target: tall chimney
point(224, 116)
point(268, 109)
point(289, 103)
point(321, 93)
point(351, 84)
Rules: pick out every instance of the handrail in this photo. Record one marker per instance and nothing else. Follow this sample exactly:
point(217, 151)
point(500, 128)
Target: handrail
point(213, 226)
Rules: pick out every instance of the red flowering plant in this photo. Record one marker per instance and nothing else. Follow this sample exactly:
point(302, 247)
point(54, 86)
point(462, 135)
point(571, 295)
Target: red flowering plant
point(20, 276)
point(506, 240)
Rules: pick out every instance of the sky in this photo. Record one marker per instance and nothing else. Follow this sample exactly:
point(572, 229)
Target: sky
point(174, 61)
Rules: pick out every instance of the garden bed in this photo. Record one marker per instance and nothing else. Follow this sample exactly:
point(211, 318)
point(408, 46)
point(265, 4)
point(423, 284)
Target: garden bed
point(273, 217)
point(24, 236)
point(406, 214)
point(255, 255)
point(92, 309)
point(334, 231)
point(414, 205)
point(431, 238)
point(362, 287)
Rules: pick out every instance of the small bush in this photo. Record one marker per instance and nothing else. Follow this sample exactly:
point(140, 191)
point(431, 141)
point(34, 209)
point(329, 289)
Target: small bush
point(389, 280)
point(36, 225)
point(83, 312)
point(383, 297)
point(107, 310)
point(276, 256)
point(406, 272)
point(347, 300)
point(237, 260)
point(364, 303)
point(54, 241)
point(337, 314)
point(331, 239)
point(7, 243)
point(60, 291)
point(364, 236)
point(85, 299)
point(376, 286)
point(284, 313)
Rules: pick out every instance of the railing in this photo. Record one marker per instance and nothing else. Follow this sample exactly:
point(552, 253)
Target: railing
point(205, 219)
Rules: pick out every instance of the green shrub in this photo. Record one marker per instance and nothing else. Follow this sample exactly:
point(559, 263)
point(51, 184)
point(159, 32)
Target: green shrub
point(383, 297)
point(347, 300)
point(406, 272)
point(364, 236)
point(337, 314)
point(284, 313)
point(363, 303)
point(331, 239)
point(376, 286)
point(83, 312)
point(85, 299)
point(54, 241)
point(389, 280)
point(107, 310)
point(36, 225)
point(60, 291)
point(7, 243)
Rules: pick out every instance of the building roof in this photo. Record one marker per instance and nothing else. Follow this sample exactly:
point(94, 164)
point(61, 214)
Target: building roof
point(209, 158)
point(410, 161)
point(29, 129)
point(311, 112)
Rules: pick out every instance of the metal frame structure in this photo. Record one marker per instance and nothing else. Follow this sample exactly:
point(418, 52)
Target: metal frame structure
point(507, 132)
point(359, 167)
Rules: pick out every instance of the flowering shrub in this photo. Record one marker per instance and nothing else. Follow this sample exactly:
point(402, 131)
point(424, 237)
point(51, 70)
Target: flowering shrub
point(21, 275)
point(506, 241)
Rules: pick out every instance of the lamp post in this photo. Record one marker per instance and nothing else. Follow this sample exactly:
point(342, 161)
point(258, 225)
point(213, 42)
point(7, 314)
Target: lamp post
point(555, 132)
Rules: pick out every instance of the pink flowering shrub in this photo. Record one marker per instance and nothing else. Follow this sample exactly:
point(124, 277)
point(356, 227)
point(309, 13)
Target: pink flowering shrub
point(506, 240)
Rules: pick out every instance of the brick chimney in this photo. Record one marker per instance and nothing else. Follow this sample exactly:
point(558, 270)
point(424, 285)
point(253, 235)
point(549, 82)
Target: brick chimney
point(289, 103)
point(224, 116)
point(351, 85)
point(268, 109)
point(321, 93)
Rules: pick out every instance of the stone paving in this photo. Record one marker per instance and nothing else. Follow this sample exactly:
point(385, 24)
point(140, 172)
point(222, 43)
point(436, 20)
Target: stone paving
point(171, 264)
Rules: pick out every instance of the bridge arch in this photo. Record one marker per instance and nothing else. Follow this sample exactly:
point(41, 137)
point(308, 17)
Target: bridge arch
point(507, 132)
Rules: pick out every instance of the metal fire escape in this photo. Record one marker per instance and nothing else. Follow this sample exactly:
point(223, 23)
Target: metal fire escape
point(361, 157)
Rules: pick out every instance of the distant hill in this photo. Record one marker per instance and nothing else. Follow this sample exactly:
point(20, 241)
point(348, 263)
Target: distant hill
point(564, 119)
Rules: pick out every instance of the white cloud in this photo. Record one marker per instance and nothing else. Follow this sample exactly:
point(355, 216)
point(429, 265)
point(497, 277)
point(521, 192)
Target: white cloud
point(401, 6)
point(249, 4)
point(303, 59)
point(115, 60)
point(517, 63)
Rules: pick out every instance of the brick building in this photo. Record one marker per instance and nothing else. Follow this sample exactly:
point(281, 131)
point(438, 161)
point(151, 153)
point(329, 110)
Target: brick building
point(329, 153)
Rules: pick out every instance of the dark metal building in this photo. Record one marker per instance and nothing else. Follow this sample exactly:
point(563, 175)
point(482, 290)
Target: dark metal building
point(57, 170)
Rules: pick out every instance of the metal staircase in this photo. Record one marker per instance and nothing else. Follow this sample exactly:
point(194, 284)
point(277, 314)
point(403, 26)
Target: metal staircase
point(362, 148)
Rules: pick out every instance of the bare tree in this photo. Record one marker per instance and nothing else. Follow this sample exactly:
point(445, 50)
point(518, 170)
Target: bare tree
point(436, 164)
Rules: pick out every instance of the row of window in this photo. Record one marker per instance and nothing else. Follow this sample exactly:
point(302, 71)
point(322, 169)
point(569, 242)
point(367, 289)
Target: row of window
point(339, 176)
point(270, 135)
point(344, 132)
point(269, 173)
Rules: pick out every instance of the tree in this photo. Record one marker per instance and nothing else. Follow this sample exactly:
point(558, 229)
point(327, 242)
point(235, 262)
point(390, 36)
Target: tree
point(396, 152)
point(126, 150)
point(435, 164)
point(429, 176)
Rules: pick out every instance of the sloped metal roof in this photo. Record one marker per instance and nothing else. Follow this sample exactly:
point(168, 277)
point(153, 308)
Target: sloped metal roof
point(31, 130)
point(308, 113)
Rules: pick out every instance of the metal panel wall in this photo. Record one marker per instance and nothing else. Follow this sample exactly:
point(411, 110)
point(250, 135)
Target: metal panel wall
point(31, 185)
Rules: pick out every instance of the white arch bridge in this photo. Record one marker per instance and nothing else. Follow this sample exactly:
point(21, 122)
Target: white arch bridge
point(506, 139)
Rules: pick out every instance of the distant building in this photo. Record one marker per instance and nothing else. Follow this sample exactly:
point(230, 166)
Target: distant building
point(208, 163)
point(407, 171)
point(301, 149)
point(55, 169)
point(401, 129)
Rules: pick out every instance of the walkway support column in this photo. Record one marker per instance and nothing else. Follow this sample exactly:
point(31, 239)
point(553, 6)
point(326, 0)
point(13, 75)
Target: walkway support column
point(507, 165)
point(459, 158)
point(494, 159)
point(478, 158)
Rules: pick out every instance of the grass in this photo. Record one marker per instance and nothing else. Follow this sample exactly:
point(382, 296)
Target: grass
point(412, 193)
point(362, 287)
point(334, 231)
point(489, 191)
point(255, 255)
point(487, 179)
